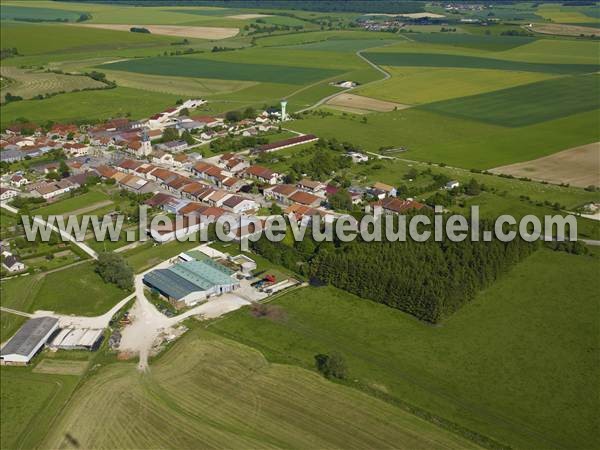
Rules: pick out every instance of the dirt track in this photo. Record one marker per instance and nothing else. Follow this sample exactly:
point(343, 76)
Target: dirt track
point(578, 166)
point(360, 103)
point(171, 30)
point(562, 29)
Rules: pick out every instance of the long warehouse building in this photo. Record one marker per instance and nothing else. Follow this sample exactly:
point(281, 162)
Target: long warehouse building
point(28, 341)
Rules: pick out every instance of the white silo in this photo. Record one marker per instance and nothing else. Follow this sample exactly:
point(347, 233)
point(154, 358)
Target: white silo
point(283, 112)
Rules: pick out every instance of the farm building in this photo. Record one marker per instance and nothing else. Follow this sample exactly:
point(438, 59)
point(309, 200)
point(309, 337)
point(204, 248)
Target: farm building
point(28, 341)
point(78, 339)
point(187, 283)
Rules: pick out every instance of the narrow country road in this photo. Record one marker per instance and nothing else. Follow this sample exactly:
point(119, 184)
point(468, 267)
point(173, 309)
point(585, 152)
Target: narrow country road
point(358, 53)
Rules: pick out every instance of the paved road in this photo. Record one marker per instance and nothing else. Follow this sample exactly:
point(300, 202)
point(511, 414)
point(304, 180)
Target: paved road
point(87, 249)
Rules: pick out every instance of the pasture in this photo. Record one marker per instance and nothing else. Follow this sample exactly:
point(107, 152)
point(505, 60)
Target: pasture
point(525, 375)
point(282, 406)
point(222, 70)
point(527, 104)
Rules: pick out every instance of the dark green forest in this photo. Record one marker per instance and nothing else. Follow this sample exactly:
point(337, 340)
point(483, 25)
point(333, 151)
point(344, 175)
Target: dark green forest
point(354, 6)
point(429, 280)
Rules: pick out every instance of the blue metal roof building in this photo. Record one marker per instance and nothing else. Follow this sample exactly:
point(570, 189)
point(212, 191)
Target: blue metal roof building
point(192, 281)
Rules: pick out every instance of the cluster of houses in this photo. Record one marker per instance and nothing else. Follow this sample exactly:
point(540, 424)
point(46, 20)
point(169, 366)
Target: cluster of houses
point(131, 155)
point(11, 262)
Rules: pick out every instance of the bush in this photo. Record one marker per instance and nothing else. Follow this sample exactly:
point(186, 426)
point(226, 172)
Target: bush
point(331, 366)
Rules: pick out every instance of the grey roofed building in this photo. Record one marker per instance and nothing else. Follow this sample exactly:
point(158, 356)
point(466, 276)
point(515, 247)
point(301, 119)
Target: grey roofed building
point(11, 155)
point(26, 342)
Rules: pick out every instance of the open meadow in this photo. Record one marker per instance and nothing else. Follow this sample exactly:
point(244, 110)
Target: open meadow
point(252, 403)
point(500, 366)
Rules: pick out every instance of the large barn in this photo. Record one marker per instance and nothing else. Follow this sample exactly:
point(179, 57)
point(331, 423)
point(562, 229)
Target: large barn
point(187, 283)
point(28, 341)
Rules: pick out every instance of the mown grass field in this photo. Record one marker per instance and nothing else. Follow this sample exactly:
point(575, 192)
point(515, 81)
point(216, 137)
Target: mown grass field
point(500, 366)
point(527, 104)
point(89, 106)
point(214, 392)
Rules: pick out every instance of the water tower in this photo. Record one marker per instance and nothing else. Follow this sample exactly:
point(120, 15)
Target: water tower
point(283, 112)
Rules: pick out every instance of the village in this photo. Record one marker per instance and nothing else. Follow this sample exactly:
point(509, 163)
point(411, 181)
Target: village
point(168, 175)
point(156, 162)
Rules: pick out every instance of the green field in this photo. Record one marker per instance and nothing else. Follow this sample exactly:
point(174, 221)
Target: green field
point(72, 40)
point(343, 45)
point(70, 204)
point(215, 393)
point(528, 104)
point(9, 12)
point(429, 136)
point(28, 403)
point(89, 106)
point(489, 43)
point(28, 84)
point(18, 293)
point(77, 290)
point(501, 366)
point(222, 70)
point(474, 62)
point(149, 254)
point(417, 85)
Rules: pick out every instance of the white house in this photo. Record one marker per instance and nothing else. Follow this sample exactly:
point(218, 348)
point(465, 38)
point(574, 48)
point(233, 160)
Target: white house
point(18, 180)
point(238, 204)
point(453, 184)
point(357, 157)
point(13, 264)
